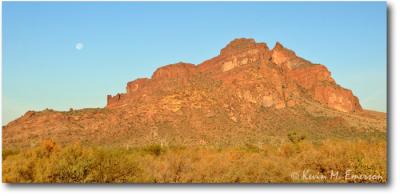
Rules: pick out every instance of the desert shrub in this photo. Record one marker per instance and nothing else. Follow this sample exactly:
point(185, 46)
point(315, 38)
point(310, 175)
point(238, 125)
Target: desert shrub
point(295, 138)
point(275, 163)
point(114, 165)
point(19, 168)
point(70, 164)
point(249, 147)
point(154, 149)
point(8, 152)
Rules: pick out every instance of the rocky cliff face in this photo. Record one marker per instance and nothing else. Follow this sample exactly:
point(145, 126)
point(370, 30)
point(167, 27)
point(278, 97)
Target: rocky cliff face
point(178, 71)
point(286, 78)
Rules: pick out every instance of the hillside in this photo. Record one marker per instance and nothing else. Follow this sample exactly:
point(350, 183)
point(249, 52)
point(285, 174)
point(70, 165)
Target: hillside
point(249, 115)
point(249, 93)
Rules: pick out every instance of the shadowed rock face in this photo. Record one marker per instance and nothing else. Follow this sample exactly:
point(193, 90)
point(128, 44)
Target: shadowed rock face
point(286, 78)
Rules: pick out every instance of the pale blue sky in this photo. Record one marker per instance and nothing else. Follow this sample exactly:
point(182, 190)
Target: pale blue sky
point(42, 68)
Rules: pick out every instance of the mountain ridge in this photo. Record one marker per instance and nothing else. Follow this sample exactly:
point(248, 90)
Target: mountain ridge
point(241, 52)
point(247, 94)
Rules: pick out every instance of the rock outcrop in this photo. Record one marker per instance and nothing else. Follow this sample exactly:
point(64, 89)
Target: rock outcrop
point(317, 80)
point(135, 85)
point(179, 70)
point(286, 57)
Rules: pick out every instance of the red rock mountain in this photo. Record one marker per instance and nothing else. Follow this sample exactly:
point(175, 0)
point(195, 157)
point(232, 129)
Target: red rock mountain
point(287, 77)
point(248, 93)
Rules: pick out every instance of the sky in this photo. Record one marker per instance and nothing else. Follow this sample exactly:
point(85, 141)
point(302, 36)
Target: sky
point(63, 55)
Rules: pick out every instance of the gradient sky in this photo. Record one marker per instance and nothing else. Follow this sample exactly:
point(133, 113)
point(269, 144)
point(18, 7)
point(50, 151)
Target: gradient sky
point(65, 55)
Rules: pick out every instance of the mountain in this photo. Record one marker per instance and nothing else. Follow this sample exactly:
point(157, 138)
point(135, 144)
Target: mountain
point(249, 93)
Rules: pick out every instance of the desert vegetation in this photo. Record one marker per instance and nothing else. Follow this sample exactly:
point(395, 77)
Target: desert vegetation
point(298, 160)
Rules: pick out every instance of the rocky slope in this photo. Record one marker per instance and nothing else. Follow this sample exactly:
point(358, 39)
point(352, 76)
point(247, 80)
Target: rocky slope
point(248, 93)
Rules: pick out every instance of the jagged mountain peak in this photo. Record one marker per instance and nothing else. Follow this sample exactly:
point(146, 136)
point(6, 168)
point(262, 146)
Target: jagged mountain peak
point(240, 45)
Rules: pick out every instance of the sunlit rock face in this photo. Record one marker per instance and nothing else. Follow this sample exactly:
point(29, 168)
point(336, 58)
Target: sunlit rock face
point(272, 78)
point(178, 70)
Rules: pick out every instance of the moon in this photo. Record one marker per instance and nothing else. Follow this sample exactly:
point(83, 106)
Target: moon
point(79, 46)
